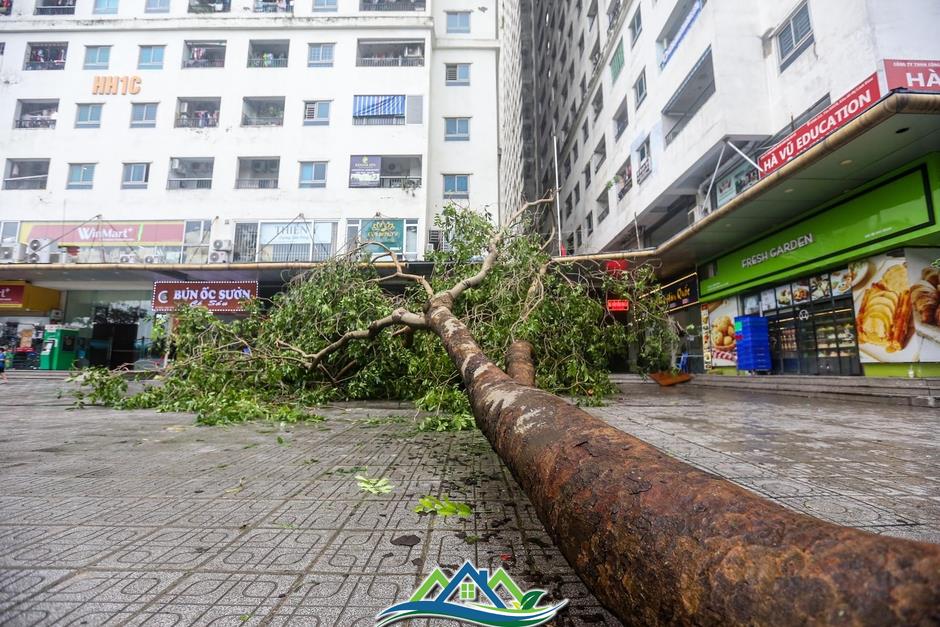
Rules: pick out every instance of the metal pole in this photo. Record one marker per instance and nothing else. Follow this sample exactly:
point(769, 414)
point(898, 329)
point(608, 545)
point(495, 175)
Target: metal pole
point(557, 189)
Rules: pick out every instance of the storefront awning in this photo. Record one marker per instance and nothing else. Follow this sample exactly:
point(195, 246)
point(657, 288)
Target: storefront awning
point(369, 106)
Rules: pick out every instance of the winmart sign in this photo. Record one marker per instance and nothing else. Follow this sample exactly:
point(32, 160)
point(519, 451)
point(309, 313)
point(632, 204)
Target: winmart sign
point(833, 117)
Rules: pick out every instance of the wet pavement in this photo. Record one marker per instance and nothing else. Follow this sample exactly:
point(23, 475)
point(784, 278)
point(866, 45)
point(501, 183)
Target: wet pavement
point(140, 518)
point(876, 467)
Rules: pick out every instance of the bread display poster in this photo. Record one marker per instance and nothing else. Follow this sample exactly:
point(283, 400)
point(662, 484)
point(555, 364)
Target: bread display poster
point(721, 315)
point(897, 302)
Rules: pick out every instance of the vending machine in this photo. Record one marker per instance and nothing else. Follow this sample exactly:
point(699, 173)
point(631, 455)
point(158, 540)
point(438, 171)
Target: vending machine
point(58, 349)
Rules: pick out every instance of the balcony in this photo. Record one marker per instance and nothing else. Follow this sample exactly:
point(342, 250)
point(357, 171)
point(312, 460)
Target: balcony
point(268, 53)
point(390, 54)
point(46, 56)
point(197, 112)
point(55, 7)
point(205, 6)
point(257, 173)
point(677, 25)
point(269, 6)
point(392, 5)
point(697, 87)
point(26, 174)
point(643, 170)
point(6, 7)
point(190, 174)
point(385, 171)
point(379, 110)
point(203, 54)
point(263, 112)
point(36, 113)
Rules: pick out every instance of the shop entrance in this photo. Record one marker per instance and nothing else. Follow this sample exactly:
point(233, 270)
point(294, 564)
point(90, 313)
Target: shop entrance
point(812, 325)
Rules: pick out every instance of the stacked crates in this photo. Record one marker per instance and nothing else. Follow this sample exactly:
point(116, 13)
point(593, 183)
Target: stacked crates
point(752, 339)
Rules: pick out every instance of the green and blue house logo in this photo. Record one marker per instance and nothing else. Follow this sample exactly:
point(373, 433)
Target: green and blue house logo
point(473, 584)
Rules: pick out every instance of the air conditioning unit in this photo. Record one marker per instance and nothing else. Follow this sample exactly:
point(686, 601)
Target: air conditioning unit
point(8, 253)
point(154, 259)
point(184, 107)
point(429, 248)
point(691, 217)
point(38, 244)
point(129, 258)
point(174, 164)
point(435, 237)
point(219, 256)
point(64, 257)
point(222, 244)
point(39, 256)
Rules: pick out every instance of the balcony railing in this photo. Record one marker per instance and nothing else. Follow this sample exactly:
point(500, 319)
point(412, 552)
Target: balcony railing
point(626, 187)
point(392, 5)
point(402, 182)
point(198, 6)
point(274, 7)
point(390, 61)
point(197, 122)
point(379, 120)
point(189, 183)
point(36, 123)
point(26, 182)
point(256, 183)
point(45, 65)
point(643, 170)
point(266, 62)
point(191, 63)
point(55, 10)
point(253, 120)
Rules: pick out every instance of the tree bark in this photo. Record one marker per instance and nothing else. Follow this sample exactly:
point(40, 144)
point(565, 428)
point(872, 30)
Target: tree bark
point(519, 364)
point(660, 542)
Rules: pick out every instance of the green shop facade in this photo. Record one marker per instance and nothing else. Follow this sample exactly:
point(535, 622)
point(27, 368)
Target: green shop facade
point(850, 288)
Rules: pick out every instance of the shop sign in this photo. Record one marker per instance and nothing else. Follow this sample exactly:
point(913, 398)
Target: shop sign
point(743, 177)
point(12, 295)
point(101, 233)
point(913, 75)
point(114, 85)
point(365, 171)
point(618, 304)
point(871, 219)
point(833, 117)
point(389, 233)
point(681, 293)
point(216, 296)
point(285, 233)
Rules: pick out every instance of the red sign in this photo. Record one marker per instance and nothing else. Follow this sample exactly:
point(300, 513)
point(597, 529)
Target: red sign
point(913, 75)
point(219, 296)
point(847, 108)
point(618, 305)
point(102, 233)
point(617, 267)
point(12, 294)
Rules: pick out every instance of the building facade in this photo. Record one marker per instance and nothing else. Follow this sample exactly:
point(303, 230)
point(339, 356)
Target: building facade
point(698, 131)
point(208, 133)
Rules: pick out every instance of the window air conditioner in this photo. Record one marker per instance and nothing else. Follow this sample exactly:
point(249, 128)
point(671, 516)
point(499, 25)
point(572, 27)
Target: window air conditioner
point(222, 244)
point(691, 217)
point(174, 164)
point(219, 256)
point(40, 256)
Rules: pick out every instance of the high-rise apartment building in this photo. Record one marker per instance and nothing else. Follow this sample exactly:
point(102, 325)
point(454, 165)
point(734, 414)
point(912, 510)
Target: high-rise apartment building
point(157, 132)
point(712, 135)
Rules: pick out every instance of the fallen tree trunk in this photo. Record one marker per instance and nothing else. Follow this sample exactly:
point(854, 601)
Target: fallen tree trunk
point(660, 542)
point(519, 365)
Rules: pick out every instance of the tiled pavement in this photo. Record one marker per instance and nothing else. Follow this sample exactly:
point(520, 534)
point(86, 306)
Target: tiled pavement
point(875, 467)
point(139, 518)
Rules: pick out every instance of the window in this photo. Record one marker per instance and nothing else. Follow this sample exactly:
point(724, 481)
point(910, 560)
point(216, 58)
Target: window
point(587, 176)
point(616, 62)
point(317, 113)
point(387, 110)
point(456, 129)
point(589, 222)
point(157, 6)
point(136, 176)
point(577, 193)
point(577, 237)
point(150, 58)
point(458, 21)
point(81, 176)
point(204, 54)
point(644, 162)
point(46, 56)
point(97, 57)
point(324, 5)
point(456, 186)
point(26, 174)
point(457, 74)
point(108, 7)
point(312, 174)
point(89, 116)
point(320, 55)
point(568, 206)
point(639, 88)
point(143, 115)
point(636, 26)
point(795, 36)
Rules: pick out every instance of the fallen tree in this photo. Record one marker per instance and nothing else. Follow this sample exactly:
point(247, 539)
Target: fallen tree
point(658, 541)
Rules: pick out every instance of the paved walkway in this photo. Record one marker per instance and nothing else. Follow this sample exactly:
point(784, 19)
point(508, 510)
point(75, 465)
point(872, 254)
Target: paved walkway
point(875, 467)
point(139, 518)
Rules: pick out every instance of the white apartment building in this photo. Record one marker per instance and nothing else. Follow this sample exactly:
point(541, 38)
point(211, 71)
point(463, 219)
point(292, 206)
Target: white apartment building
point(153, 133)
point(645, 94)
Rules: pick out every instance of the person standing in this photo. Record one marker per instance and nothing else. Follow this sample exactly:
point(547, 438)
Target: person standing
point(3, 364)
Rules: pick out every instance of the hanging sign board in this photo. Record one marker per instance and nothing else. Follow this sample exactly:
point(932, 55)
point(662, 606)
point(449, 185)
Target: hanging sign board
point(913, 75)
point(216, 296)
point(618, 305)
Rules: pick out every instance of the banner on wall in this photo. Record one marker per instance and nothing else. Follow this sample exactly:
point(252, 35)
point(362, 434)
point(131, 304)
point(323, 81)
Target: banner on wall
point(388, 232)
point(897, 304)
point(101, 233)
point(718, 326)
point(365, 171)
